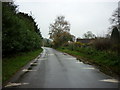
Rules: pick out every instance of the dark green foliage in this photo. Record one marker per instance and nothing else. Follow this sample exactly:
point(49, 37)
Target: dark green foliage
point(115, 40)
point(20, 32)
point(115, 37)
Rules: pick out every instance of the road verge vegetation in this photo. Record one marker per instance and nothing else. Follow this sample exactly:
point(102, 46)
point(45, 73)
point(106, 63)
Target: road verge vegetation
point(12, 64)
point(21, 39)
point(107, 62)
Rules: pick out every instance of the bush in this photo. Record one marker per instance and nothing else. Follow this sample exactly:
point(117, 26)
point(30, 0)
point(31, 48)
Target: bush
point(116, 48)
point(102, 44)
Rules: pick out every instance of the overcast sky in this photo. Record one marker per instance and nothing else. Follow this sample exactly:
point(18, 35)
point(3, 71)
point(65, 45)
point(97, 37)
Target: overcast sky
point(92, 15)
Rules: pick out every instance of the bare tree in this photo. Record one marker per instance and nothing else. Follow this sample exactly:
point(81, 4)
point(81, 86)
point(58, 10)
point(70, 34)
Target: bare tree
point(115, 18)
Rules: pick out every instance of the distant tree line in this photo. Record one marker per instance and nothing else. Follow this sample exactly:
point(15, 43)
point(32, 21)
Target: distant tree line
point(61, 37)
point(20, 33)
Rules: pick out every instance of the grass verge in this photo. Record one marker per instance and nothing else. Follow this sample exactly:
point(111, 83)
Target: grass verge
point(107, 62)
point(10, 65)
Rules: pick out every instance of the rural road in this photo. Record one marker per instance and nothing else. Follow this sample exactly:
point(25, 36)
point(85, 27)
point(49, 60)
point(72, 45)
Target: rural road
point(53, 69)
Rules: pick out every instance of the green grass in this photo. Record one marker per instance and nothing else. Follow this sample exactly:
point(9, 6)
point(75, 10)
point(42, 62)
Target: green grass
point(10, 65)
point(105, 60)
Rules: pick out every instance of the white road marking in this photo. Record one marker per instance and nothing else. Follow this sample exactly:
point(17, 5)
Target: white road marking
point(78, 62)
point(89, 68)
point(25, 70)
point(51, 54)
point(41, 59)
point(34, 63)
point(70, 58)
point(15, 84)
point(110, 80)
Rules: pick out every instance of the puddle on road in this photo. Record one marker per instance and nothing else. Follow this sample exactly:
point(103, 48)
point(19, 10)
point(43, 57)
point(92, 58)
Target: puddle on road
point(15, 84)
point(110, 80)
point(35, 61)
point(34, 64)
point(65, 54)
point(30, 68)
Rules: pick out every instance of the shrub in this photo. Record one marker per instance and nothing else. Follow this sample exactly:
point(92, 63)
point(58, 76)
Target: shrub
point(102, 44)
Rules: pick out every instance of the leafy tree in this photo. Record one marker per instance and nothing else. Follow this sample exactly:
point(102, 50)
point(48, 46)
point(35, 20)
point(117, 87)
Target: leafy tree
point(59, 31)
point(89, 35)
point(20, 31)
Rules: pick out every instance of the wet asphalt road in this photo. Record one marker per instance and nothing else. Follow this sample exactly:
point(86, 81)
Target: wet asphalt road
point(53, 69)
